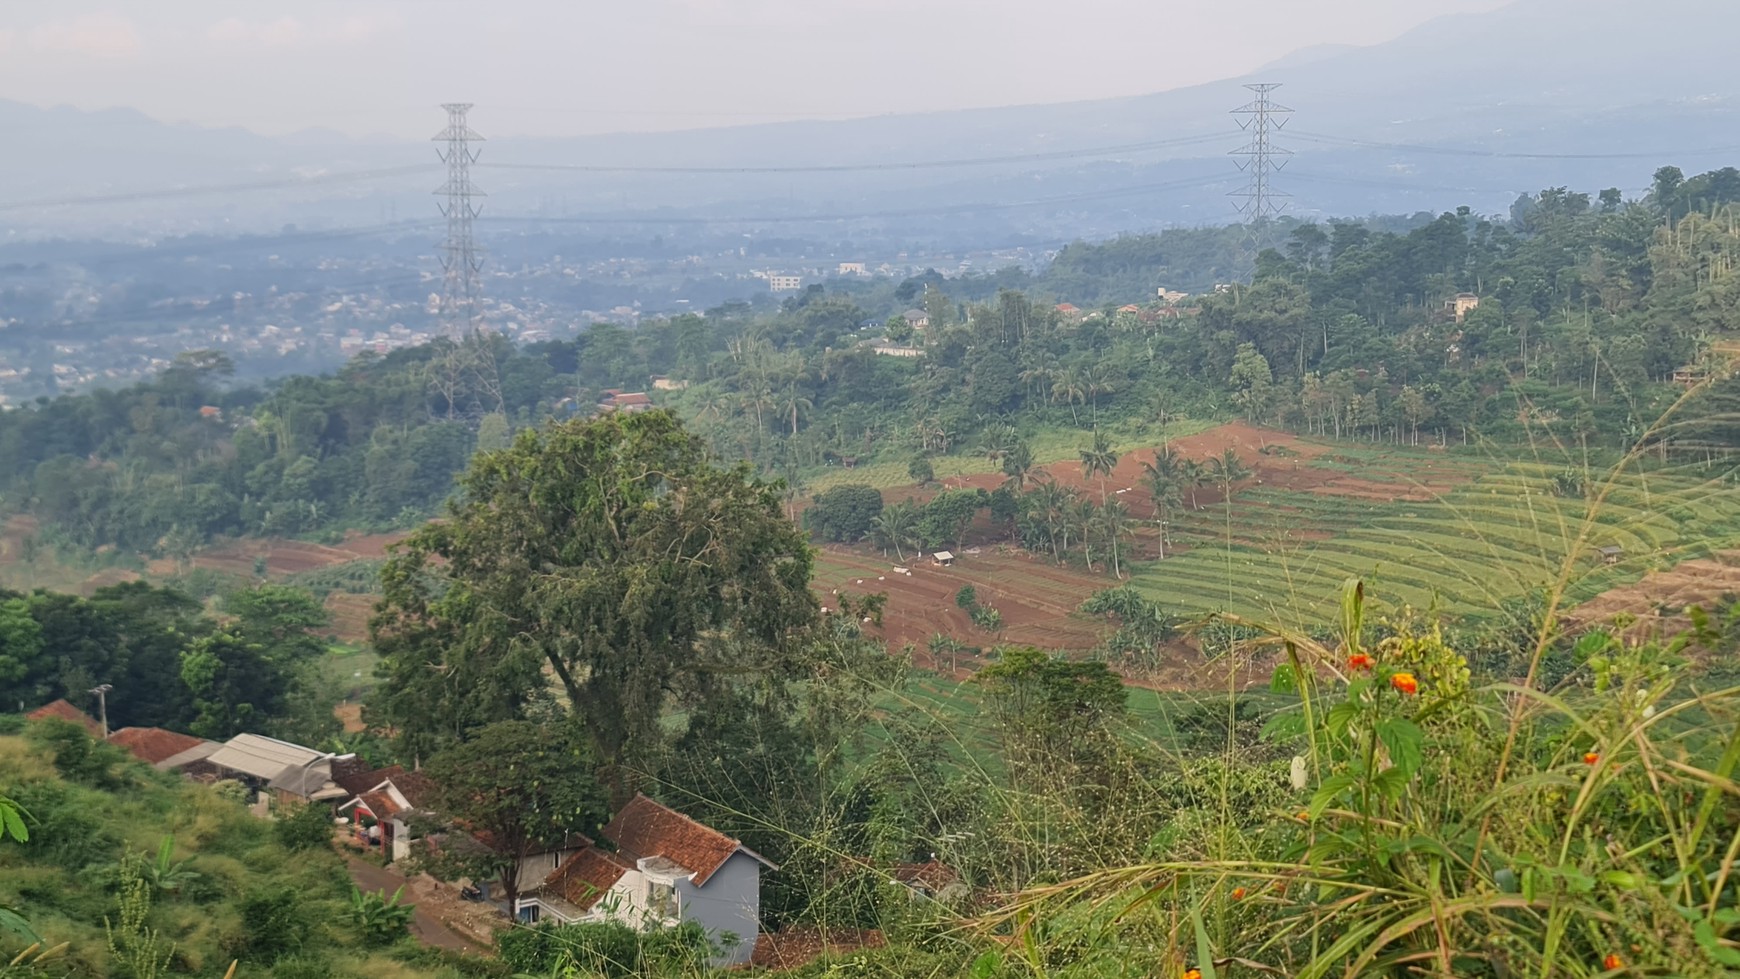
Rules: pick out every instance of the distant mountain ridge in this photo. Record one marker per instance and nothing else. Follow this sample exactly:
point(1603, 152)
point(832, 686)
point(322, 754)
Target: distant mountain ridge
point(1589, 80)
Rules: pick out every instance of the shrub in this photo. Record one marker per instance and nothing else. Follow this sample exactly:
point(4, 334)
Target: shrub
point(379, 919)
point(967, 597)
point(306, 827)
point(274, 924)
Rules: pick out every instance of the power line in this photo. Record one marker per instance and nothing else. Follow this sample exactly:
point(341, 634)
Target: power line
point(1262, 157)
point(1500, 154)
point(868, 167)
point(864, 215)
point(174, 192)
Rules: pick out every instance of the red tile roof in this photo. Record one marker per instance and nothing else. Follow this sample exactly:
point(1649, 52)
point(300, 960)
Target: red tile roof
point(637, 398)
point(153, 744)
point(932, 875)
point(799, 944)
point(646, 829)
point(66, 712)
point(380, 804)
point(585, 877)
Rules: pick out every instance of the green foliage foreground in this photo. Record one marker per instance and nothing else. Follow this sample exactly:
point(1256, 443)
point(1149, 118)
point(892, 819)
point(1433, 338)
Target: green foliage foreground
point(136, 874)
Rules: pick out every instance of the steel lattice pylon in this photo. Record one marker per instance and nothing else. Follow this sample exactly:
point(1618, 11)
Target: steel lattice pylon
point(1263, 159)
point(461, 259)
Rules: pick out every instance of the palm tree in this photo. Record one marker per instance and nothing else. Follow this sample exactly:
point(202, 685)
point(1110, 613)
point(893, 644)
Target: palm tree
point(1115, 521)
point(895, 526)
point(1068, 388)
point(1164, 477)
point(1194, 475)
point(1085, 516)
point(1017, 464)
point(998, 440)
point(1095, 382)
point(1100, 459)
point(795, 402)
point(1228, 469)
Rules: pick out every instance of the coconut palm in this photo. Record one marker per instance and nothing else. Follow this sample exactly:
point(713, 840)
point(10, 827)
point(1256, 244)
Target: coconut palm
point(1115, 524)
point(1164, 477)
point(896, 525)
point(1101, 459)
point(1017, 465)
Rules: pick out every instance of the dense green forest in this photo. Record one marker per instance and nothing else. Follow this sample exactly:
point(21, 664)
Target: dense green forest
point(171, 663)
point(1587, 308)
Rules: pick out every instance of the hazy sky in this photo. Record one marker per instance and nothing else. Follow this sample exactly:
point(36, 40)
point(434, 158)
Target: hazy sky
point(558, 67)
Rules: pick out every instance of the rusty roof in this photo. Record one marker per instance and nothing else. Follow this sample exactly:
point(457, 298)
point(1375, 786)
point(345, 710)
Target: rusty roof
point(154, 744)
point(585, 877)
point(646, 829)
point(62, 710)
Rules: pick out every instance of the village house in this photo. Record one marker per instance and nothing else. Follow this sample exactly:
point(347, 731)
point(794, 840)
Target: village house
point(289, 774)
point(1463, 304)
point(627, 402)
point(61, 710)
point(896, 350)
point(665, 869)
point(662, 383)
point(388, 798)
point(168, 751)
point(1070, 312)
point(918, 319)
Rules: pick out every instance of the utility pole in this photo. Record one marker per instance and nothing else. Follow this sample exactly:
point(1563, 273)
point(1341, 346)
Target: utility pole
point(460, 257)
point(1262, 158)
point(102, 692)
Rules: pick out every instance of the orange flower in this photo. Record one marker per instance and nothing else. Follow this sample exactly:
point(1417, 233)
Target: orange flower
point(1192, 974)
point(1238, 894)
point(1590, 758)
point(1303, 815)
point(1612, 962)
point(1360, 661)
point(1405, 683)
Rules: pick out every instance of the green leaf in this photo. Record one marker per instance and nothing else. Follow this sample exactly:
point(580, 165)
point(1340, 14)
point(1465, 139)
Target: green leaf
point(1712, 946)
point(1405, 741)
point(1327, 792)
point(1283, 680)
point(1204, 950)
point(1340, 717)
point(1391, 783)
point(12, 921)
point(1352, 612)
point(12, 823)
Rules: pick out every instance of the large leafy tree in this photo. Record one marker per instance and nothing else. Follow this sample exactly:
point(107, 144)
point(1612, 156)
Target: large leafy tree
point(514, 790)
point(615, 555)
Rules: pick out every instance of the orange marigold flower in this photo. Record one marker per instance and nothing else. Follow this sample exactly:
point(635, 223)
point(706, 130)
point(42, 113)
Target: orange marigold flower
point(1612, 962)
point(1591, 757)
point(1303, 815)
point(1405, 683)
point(1360, 661)
point(1192, 974)
point(1238, 894)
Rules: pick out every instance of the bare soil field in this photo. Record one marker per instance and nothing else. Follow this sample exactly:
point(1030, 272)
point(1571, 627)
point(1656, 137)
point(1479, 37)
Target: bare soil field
point(1657, 603)
point(1276, 459)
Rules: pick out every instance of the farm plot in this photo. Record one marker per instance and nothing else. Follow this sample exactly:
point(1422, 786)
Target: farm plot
point(1036, 598)
point(1281, 553)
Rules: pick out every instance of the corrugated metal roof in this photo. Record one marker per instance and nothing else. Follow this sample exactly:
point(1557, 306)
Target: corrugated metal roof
point(262, 757)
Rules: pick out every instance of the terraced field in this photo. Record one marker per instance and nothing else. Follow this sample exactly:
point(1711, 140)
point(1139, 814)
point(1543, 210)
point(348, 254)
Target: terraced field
point(1282, 554)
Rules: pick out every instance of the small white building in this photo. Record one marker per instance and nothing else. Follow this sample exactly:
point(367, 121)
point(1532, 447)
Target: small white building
point(785, 283)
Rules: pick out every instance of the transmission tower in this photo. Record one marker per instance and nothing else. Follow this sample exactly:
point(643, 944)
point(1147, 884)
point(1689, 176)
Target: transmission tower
point(461, 259)
point(1262, 158)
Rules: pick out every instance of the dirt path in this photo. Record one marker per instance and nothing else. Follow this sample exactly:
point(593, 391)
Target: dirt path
point(425, 926)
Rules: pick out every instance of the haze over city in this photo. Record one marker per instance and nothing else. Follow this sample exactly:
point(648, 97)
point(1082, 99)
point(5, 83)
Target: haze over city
point(552, 68)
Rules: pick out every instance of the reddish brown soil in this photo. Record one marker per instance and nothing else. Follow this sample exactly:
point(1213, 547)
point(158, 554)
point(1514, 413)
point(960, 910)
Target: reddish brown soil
point(1657, 603)
point(350, 615)
point(1035, 597)
point(1276, 459)
point(286, 557)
